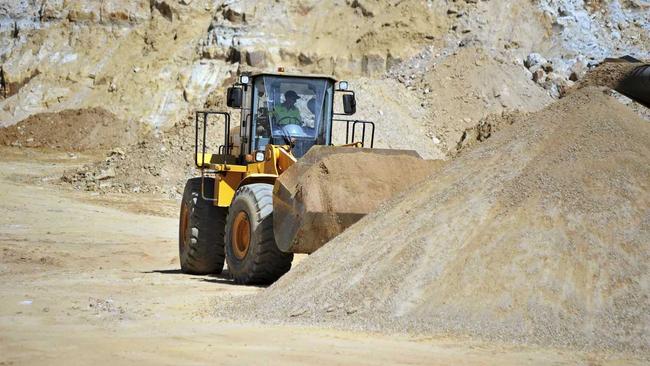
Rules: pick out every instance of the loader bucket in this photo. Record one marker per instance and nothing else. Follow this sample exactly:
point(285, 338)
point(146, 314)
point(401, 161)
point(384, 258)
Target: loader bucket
point(331, 188)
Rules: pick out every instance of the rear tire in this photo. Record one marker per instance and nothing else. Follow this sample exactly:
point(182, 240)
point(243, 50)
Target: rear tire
point(252, 255)
point(201, 229)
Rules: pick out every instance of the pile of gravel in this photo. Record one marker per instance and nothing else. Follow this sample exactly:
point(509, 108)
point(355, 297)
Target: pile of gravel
point(539, 235)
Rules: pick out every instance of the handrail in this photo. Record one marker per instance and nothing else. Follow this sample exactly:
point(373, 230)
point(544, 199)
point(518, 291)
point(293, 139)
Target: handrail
point(351, 128)
point(223, 150)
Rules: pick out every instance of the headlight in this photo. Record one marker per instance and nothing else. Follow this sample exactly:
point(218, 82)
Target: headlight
point(259, 156)
point(244, 79)
point(343, 85)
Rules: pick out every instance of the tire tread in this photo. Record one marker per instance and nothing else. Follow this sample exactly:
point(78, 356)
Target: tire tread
point(207, 222)
point(265, 263)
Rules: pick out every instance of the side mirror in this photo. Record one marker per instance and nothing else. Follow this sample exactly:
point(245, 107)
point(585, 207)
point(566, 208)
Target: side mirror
point(349, 104)
point(234, 97)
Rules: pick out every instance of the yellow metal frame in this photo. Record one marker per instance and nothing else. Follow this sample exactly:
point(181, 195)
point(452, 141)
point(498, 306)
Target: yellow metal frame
point(229, 177)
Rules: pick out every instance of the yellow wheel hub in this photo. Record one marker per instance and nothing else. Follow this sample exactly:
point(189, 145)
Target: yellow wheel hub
point(241, 235)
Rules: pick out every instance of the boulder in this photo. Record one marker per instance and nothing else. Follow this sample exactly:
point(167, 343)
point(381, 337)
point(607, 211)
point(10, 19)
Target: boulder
point(256, 58)
point(234, 14)
point(534, 59)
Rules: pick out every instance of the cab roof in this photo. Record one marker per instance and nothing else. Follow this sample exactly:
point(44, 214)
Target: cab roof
point(284, 74)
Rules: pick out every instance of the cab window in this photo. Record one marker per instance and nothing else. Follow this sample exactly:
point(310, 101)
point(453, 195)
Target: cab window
point(291, 109)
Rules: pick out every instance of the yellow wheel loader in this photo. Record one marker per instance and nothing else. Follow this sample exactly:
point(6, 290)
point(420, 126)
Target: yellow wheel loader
point(277, 185)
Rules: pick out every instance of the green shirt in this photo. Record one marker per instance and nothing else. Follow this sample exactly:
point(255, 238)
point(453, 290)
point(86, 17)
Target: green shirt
point(285, 116)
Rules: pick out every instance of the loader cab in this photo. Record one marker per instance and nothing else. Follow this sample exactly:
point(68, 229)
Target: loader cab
point(281, 109)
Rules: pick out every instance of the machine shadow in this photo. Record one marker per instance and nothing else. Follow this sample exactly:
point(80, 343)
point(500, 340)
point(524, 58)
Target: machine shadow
point(222, 278)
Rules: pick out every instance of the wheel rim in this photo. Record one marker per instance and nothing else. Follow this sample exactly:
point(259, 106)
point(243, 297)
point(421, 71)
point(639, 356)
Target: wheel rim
point(241, 235)
point(183, 237)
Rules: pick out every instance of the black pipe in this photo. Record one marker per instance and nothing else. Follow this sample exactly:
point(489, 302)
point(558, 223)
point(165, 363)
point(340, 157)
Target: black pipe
point(636, 85)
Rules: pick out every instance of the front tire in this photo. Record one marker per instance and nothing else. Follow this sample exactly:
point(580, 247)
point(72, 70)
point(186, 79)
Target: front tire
point(201, 230)
point(252, 255)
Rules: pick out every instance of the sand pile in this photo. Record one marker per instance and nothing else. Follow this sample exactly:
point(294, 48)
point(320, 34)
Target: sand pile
point(399, 116)
point(469, 85)
point(539, 235)
point(608, 74)
point(70, 130)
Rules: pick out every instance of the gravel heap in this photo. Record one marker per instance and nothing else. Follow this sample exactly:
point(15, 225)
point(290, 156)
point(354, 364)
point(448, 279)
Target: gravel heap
point(71, 130)
point(538, 235)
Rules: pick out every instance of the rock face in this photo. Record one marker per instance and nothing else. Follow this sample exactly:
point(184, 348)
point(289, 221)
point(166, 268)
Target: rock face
point(373, 65)
point(310, 34)
point(599, 29)
point(142, 59)
point(134, 58)
point(153, 62)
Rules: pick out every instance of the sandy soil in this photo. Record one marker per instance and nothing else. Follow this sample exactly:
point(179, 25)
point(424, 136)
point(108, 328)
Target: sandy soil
point(94, 279)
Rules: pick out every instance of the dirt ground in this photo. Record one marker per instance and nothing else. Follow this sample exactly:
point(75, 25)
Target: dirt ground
point(95, 279)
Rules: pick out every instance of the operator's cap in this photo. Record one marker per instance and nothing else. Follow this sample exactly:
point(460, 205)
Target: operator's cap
point(291, 95)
